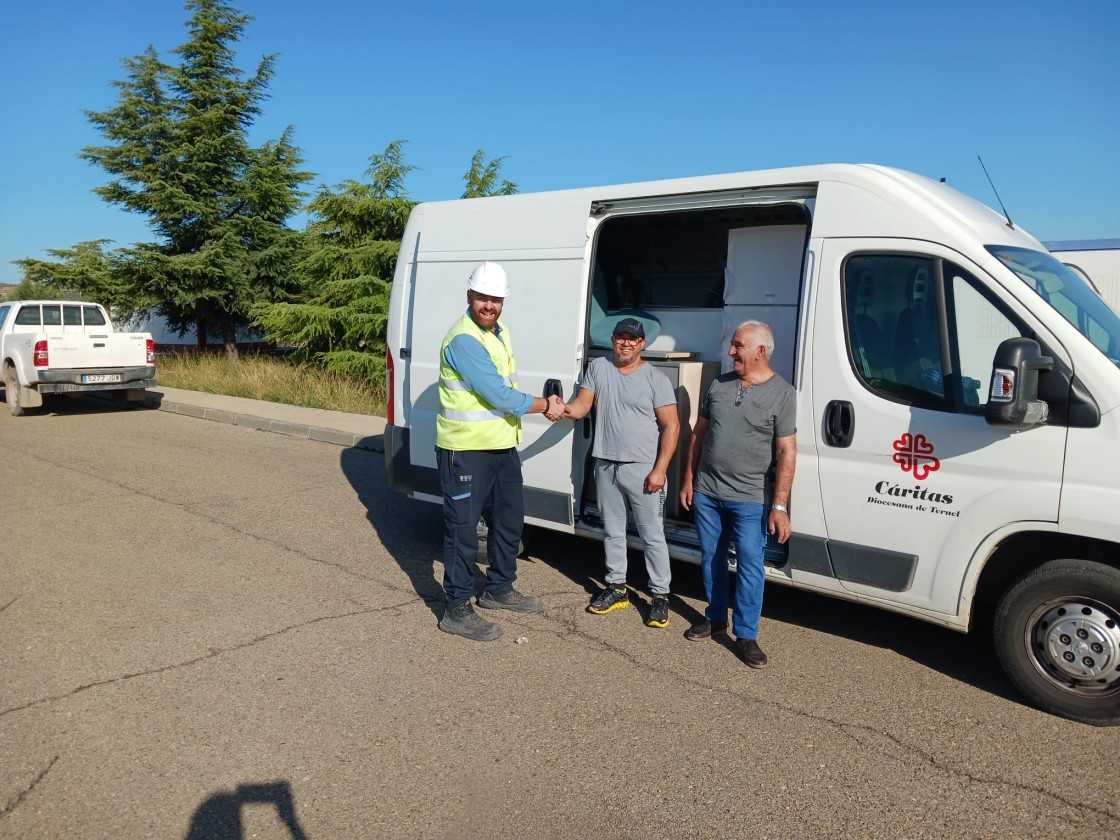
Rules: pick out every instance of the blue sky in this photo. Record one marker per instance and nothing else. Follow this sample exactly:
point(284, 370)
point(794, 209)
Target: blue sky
point(580, 93)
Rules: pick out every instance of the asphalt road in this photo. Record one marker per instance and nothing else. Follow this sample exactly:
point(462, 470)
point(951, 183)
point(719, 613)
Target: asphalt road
point(212, 631)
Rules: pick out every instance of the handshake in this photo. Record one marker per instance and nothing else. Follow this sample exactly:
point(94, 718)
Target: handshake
point(556, 408)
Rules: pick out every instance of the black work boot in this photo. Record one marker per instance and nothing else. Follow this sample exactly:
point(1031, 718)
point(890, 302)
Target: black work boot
point(512, 600)
point(464, 621)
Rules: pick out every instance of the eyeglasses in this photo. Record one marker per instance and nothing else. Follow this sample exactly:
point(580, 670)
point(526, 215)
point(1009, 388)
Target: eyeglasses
point(620, 340)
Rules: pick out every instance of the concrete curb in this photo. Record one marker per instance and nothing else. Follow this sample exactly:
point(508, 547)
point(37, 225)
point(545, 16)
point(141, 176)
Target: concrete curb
point(311, 431)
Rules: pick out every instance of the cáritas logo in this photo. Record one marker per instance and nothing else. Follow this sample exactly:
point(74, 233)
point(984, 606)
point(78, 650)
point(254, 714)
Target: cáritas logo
point(914, 454)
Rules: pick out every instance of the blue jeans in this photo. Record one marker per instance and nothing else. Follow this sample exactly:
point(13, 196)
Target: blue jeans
point(717, 522)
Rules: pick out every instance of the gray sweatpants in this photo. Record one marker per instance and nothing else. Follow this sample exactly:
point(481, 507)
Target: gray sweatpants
point(618, 483)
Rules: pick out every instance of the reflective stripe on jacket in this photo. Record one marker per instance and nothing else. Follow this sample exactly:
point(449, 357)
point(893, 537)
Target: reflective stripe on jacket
point(465, 419)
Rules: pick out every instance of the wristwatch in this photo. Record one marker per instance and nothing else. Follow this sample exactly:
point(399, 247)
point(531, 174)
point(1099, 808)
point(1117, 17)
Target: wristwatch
point(782, 508)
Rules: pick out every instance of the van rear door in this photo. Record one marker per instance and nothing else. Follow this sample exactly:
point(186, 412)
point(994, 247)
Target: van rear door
point(541, 240)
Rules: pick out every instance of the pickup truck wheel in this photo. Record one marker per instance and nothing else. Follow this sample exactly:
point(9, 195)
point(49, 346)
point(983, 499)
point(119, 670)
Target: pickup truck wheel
point(1057, 633)
point(11, 393)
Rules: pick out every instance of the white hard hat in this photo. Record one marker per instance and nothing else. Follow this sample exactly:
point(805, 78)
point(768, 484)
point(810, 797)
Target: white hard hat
point(489, 278)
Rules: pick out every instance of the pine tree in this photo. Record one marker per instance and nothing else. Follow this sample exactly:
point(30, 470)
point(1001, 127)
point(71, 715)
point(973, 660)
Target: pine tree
point(352, 244)
point(351, 257)
point(179, 154)
point(87, 271)
point(482, 178)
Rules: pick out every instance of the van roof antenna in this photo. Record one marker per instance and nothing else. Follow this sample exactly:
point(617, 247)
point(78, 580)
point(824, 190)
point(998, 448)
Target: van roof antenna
point(1010, 224)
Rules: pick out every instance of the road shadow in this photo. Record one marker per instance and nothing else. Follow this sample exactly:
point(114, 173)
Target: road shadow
point(220, 816)
point(969, 659)
point(60, 405)
point(411, 531)
point(581, 560)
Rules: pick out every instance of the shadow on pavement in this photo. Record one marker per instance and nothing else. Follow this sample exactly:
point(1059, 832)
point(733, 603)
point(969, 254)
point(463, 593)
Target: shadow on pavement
point(95, 402)
point(412, 531)
point(969, 658)
point(219, 817)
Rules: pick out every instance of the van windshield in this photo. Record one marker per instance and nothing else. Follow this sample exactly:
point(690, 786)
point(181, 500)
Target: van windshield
point(1069, 295)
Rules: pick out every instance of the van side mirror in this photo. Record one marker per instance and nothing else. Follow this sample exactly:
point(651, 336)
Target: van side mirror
point(1013, 397)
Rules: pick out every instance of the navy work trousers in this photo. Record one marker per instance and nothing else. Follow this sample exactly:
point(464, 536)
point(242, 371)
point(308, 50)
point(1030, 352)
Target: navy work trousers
point(469, 479)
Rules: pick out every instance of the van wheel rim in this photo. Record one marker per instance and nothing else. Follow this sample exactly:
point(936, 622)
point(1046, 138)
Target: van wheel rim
point(1075, 643)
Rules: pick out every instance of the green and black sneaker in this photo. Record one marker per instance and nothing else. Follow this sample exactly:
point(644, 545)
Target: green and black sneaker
point(658, 612)
point(609, 600)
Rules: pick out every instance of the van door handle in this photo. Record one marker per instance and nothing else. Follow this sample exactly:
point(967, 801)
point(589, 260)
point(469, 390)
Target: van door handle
point(552, 387)
point(839, 423)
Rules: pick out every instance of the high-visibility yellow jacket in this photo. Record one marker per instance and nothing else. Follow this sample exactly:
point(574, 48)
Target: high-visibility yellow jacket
point(465, 419)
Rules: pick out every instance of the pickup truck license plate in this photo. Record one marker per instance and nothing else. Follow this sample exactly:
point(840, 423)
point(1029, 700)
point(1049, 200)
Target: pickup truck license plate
point(101, 377)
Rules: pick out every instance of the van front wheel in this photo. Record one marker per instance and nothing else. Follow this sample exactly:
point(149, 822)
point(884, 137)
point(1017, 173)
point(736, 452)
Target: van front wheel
point(1057, 633)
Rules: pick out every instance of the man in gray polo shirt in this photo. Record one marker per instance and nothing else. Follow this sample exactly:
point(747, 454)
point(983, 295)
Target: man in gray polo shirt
point(738, 482)
point(636, 431)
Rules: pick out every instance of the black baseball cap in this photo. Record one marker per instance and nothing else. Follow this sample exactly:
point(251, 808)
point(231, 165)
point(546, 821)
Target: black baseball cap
point(630, 325)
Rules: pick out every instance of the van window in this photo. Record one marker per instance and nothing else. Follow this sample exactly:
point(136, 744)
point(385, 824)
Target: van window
point(978, 329)
point(52, 315)
point(28, 316)
point(72, 316)
point(900, 344)
point(4, 314)
point(93, 316)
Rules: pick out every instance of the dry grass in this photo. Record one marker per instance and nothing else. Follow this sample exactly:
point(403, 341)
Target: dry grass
point(270, 379)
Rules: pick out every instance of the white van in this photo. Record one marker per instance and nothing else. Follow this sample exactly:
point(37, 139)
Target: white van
point(957, 386)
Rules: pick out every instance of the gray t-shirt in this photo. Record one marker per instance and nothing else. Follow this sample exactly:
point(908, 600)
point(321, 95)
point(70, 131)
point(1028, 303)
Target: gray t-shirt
point(625, 423)
point(737, 460)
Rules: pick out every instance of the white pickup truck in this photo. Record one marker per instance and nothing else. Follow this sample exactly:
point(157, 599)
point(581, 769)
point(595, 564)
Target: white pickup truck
point(66, 347)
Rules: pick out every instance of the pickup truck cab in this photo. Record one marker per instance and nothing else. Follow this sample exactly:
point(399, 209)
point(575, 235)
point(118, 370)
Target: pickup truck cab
point(66, 347)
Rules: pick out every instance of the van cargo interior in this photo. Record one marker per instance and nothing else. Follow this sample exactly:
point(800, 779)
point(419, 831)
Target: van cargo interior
point(692, 276)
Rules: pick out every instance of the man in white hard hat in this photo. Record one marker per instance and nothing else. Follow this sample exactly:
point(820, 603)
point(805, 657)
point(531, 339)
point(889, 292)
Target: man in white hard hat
point(478, 429)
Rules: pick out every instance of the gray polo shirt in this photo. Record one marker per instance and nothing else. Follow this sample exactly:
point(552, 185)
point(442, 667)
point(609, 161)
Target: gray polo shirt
point(737, 461)
point(625, 423)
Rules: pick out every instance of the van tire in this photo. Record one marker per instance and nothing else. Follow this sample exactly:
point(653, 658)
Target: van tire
point(11, 392)
point(1057, 634)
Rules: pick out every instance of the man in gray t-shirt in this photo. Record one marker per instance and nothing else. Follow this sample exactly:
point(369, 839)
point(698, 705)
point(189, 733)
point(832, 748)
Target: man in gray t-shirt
point(741, 459)
point(636, 432)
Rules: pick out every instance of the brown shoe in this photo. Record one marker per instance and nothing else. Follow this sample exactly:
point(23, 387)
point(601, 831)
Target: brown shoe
point(751, 653)
point(705, 630)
